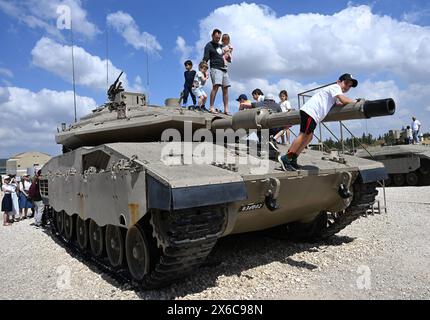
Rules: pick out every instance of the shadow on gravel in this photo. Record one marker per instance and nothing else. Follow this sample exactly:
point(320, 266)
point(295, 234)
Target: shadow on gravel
point(232, 256)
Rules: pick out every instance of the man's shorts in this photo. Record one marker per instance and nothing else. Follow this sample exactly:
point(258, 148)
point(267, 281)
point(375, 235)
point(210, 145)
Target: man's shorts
point(307, 123)
point(199, 92)
point(220, 78)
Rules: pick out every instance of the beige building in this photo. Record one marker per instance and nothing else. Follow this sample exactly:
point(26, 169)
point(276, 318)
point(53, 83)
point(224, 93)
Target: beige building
point(24, 163)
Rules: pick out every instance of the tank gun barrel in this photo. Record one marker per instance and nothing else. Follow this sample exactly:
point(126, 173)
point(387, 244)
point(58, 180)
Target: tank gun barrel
point(264, 119)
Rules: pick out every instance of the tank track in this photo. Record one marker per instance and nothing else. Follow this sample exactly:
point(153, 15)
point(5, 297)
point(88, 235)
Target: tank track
point(188, 237)
point(184, 238)
point(327, 224)
point(120, 275)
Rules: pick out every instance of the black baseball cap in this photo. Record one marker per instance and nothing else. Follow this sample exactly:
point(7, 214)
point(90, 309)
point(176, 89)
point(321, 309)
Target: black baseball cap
point(348, 76)
point(242, 97)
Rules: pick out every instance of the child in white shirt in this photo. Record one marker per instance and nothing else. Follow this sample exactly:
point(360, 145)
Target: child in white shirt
point(199, 81)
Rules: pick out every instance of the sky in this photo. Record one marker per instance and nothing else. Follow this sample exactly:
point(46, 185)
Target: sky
point(288, 44)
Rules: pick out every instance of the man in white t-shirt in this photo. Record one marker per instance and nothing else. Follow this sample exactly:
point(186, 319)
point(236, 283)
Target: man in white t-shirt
point(313, 112)
point(416, 126)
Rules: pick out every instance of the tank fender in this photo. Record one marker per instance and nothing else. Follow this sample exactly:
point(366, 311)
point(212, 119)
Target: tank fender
point(373, 175)
point(161, 195)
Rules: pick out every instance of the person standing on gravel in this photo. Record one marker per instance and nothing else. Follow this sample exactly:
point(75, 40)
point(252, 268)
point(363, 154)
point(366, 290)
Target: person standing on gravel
point(14, 194)
point(219, 75)
point(24, 200)
point(416, 126)
point(6, 203)
point(34, 193)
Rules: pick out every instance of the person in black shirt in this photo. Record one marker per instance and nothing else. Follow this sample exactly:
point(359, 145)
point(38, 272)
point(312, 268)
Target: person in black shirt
point(189, 75)
point(219, 75)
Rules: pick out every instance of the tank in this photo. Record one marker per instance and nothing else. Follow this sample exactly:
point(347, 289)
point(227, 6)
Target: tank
point(127, 191)
point(406, 164)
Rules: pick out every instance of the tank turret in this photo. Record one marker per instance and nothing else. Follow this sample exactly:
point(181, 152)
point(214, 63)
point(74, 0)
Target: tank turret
point(127, 118)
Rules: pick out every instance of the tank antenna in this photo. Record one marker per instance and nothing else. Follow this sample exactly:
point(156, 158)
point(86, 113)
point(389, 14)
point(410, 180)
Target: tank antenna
point(147, 69)
point(73, 68)
point(107, 58)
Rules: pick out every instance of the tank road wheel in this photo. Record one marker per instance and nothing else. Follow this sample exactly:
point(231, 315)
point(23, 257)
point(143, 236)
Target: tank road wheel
point(425, 172)
point(137, 253)
point(425, 167)
point(68, 225)
point(412, 179)
point(114, 245)
point(399, 179)
point(59, 222)
point(388, 181)
point(96, 239)
point(81, 233)
point(424, 179)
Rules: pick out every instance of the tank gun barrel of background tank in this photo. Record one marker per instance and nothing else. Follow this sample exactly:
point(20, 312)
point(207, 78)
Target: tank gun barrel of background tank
point(264, 119)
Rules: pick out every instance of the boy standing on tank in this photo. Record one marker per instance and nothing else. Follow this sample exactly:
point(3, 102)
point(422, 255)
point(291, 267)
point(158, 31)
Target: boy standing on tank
point(313, 112)
point(189, 76)
point(199, 81)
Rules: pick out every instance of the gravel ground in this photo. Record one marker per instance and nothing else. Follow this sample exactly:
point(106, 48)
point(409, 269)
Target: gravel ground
point(385, 256)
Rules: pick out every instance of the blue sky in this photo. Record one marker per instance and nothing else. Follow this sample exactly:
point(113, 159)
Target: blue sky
point(293, 45)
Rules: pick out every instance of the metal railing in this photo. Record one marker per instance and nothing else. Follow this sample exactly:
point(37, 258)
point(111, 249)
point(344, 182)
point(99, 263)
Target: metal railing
point(302, 96)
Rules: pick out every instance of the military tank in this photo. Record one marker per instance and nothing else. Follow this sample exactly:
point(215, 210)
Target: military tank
point(406, 164)
point(147, 200)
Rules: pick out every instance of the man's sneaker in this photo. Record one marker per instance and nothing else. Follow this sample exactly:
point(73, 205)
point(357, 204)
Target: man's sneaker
point(273, 144)
point(286, 164)
point(294, 164)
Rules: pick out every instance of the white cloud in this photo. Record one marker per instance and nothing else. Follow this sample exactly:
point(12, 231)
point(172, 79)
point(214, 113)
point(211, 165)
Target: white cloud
point(90, 71)
point(29, 119)
point(125, 25)
point(183, 49)
point(314, 45)
point(290, 52)
point(6, 72)
point(43, 14)
point(137, 86)
point(4, 95)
